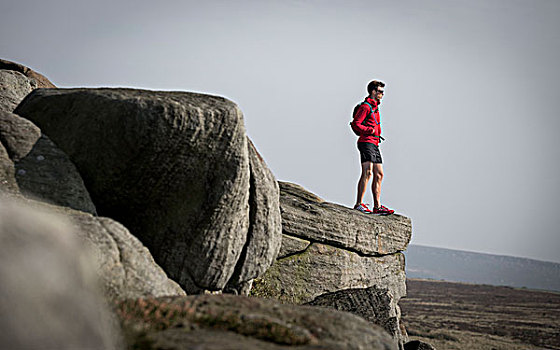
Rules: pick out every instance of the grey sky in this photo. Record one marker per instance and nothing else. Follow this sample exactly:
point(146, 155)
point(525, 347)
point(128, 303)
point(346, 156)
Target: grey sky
point(471, 113)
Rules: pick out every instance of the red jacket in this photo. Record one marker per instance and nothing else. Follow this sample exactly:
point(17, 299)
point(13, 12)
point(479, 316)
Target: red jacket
point(371, 126)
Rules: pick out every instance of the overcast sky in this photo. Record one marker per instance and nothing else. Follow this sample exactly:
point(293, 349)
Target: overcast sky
point(471, 113)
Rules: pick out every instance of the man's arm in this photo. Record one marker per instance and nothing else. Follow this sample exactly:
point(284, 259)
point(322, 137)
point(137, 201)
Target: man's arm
point(359, 118)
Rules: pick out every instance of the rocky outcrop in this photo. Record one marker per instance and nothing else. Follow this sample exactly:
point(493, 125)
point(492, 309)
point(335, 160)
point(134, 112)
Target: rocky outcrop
point(235, 322)
point(37, 79)
point(174, 168)
point(329, 253)
point(48, 291)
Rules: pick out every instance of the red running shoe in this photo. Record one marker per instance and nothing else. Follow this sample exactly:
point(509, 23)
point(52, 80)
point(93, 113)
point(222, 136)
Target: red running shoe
point(382, 210)
point(363, 208)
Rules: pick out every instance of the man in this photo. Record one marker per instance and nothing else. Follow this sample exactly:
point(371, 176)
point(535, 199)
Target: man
point(367, 124)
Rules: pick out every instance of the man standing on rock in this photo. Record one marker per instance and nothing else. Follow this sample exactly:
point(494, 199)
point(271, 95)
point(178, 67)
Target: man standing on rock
point(367, 125)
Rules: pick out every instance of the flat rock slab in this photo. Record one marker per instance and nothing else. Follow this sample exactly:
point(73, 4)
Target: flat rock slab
point(236, 322)
point(307, 216)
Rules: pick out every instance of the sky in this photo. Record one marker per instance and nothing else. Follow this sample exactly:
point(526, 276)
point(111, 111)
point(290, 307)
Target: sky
point(470, 116)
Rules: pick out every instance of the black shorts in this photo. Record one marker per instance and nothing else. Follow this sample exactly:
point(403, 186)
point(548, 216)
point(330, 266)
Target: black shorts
point(369, 153)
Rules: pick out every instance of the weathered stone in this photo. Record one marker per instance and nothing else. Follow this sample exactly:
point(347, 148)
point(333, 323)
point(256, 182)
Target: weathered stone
point(47, 174)
point(374, 304)
point(7, 173)
point(265, 229)
point(49, 295)
point(321, 269)
point(173, 167)
point(307, 216)
point(236, 322)
point(18, 135)
point(292, 245)
point(14, 86)
point(38, 80)
point(124, 265)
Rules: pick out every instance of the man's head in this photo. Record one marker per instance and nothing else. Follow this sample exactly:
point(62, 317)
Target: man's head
point(376, 89)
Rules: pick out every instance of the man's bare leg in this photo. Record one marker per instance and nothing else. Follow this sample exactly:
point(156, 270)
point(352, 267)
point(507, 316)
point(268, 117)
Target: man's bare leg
point(367, 172)
point(377, 169)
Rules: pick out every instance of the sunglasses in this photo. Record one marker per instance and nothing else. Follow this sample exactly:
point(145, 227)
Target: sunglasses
point(381, 92)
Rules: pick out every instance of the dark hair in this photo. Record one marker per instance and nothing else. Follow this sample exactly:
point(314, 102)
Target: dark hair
point(373, 85)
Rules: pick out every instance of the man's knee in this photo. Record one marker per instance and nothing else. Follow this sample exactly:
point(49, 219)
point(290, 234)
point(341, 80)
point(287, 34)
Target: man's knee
point(378, 173)
point(367, 173)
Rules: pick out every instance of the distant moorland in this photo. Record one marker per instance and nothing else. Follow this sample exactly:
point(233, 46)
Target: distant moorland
point(461, 266)
point(461, 316)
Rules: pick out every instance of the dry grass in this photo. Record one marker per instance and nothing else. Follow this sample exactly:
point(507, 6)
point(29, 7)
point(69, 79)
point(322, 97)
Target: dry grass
point(467, 316)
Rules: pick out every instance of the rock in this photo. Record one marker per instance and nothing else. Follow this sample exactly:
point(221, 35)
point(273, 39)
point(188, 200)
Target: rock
point(47, 174)
point(18, 135)
point(418, 345)
point(331, 253)
point(236, 322)
point(14, 86)
point(48, 289)
point(173, 167)
point(7, 173)
point(38, 80)
point(42, 170)
point(124, 265)
point(292, 245)
point(374, 304)
point(321, 269)
point(306, 216)
point(265, 229)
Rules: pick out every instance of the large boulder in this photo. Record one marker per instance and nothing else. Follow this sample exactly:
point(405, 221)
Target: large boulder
point(174, 168)
point(49, 296)
point(236, 322)
point(330, 252)
point(42, 170)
